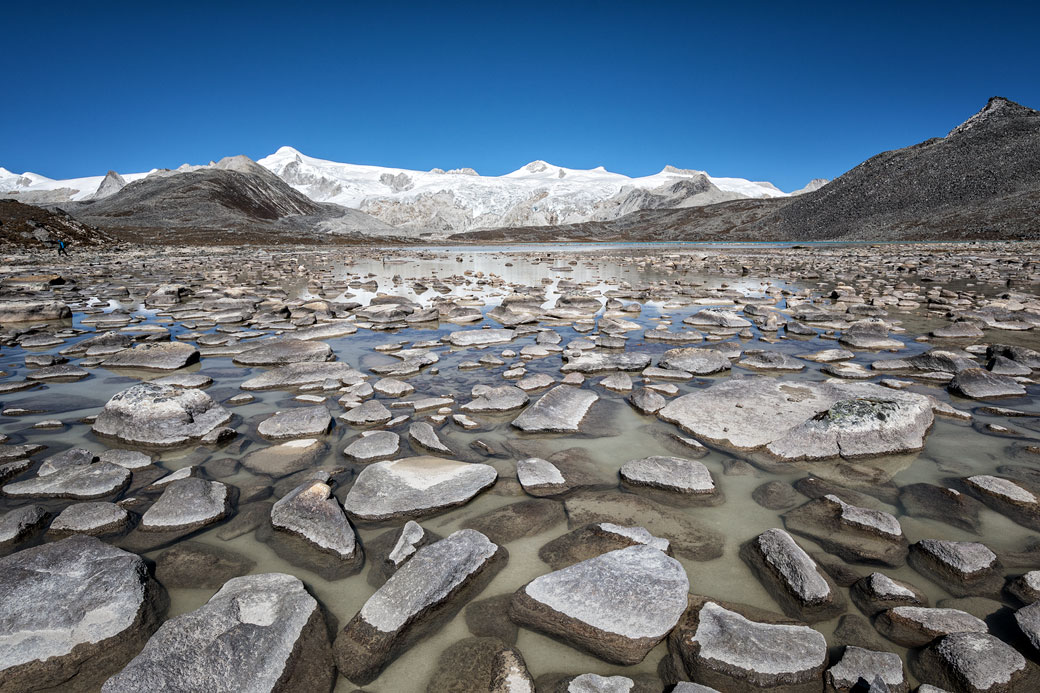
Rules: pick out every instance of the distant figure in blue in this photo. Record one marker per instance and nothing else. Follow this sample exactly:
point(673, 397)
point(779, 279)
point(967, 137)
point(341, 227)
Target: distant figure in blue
point(61, 248)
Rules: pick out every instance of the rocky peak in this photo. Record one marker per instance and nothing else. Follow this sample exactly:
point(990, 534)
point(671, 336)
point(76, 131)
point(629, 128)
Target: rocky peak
point(996, 109)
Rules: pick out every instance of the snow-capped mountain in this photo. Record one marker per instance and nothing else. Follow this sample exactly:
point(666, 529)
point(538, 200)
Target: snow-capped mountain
point(538, 194)
point(439, 201)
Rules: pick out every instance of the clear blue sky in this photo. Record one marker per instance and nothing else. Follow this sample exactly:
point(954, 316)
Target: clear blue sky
point(770, 91)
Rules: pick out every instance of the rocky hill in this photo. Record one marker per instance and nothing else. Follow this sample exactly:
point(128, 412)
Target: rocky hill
point(980, 181)
point(28, 226)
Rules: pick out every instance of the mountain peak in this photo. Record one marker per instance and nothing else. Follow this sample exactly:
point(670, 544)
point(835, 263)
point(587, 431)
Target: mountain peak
point(997, 108)
point(286, 150)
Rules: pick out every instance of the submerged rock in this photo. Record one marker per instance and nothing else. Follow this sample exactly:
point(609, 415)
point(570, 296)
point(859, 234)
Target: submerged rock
point(857, 535)
point(311, 512)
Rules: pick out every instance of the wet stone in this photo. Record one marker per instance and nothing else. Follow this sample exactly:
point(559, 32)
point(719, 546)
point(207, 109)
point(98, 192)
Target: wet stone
point(963, 568)
point(560, 410)
point(187, 504)
point(415, 487)
point(160, 416)
point(860, 665)
point(675, 474)
point(978, 383)
point(878, 592)
point(792, 577)
point(286, 458)
point(423, 435)
point(856, 534)
point(281, 352)
point(159, 356)
point(594, 540)
point(21, 523)
point(299, 422)
point(373, 446)
point(312, 513)
point(94, 519)
point(616, 606)
point(432, 586)
point(975, 662)
point(518, 520)
point(80, 482)
point(194, 565)
point(259, 632)
point(915, 626)
point(71, 647)
point(695, 360)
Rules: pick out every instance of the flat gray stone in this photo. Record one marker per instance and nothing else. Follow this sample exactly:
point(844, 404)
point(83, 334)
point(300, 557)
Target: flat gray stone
point(599, 362)
point(155, 356)
point(96, 519)
point(310, 511)
point(963, 568)
point(560, 410)
point(283, 351)
point(916, 626)
point(260, 633)
point(187, 504)
point(794, 579)
point(368, 413)
point(496, 399)
point(21, 523)
point(82, 482)
point(717, 317)
point(616, 606)
point(540, 477)
point(675, 474)
point(730, 652)
point(466, 338)
point(285, 458)
point(160, 416)
point(299, 422)
point(857, 663)
point(435, 582)
point(978, 383)
point(72, 613)
point(373, 446)
point(424, 436)
point(804, 420)
point(695, 360)
point(414, 487)
point(301, 374)
point(975, 662)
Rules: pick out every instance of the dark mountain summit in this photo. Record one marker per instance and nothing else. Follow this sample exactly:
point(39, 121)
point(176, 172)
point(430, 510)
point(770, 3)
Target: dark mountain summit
point(982, 180)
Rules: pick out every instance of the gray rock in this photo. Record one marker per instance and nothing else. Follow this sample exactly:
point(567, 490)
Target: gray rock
point(286, 458)
point(283, 351)
point(81, 482)
point(1007, 498)
point(426, 591)
point(299, 422)
point(776, 495)
point(771, 361)
point(481, 664)
point(73, 457)
point(804, 420)
point(616, 606)
point(187, 504)
point(1025, 588)
point(617, 382)
point(129, 459)
point(59, 373)
point(496, 399)
point(675, 474)
point(792, 577)
point(695, 360)
point(941, 503)
point(855, 534)
point(717, 317)
point(540, 477)
point(72, 613)
point(560, 410)
point(975, 662)
point(978, 383)
point(916, 626)
point(21, 523)
point(368, 413)
point(258, 633)
point(301, 374)
point(599, 362)
point(157, 356)
point(647, 401)
point(1028, 620)
point(414, 487)
point(160, 416)
point(858, 666)
point(518, 520)
point(465, 338)
point(95, 519)
point(730, 652)
point(963, 568)
point(185, 380)
point(373, 446)
point(311, 512)
point(877, 592)
point(871, 333)
point(424, 436)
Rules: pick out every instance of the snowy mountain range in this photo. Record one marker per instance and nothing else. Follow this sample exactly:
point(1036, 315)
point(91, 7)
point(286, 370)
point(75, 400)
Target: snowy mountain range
point(438, 201)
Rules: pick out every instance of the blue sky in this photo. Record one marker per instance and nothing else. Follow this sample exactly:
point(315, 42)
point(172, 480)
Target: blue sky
point(768, 91)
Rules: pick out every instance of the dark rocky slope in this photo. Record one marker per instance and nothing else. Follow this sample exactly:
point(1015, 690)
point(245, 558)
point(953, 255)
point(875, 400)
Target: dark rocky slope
point(29, 226)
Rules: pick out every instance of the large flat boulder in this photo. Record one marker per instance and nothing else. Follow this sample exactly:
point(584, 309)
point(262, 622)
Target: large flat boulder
point(311, 511)
point(616, 606)
point(804, 420)
point(80, 482)
point(599, 362)
point(466, 338)
point(158, 356)
point(72, 613)
point(301, 374)
point(280, 352)
point(415, 487)
point(560, 410)
point(160, 416)
point(426, 591)
point(258, 633)
point(33, 311)
point(695, 360)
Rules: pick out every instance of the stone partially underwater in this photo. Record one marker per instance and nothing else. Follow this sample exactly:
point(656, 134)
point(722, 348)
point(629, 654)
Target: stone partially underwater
point(566, 470)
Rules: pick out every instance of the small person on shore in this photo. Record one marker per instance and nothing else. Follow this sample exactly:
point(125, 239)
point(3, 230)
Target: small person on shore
point(61, 248)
